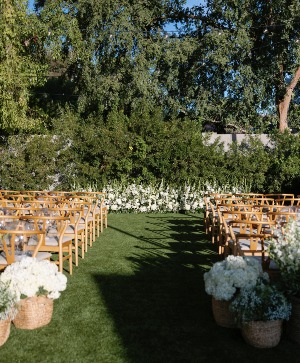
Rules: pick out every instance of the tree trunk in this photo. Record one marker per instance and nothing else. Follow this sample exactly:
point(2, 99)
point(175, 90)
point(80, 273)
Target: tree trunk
point(283, 105)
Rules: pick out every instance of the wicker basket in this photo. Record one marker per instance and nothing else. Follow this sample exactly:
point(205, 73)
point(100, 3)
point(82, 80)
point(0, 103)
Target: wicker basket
point(4, 331)
point(262, 334)
point(34, 312)
point(222, 315)
point(293, 325)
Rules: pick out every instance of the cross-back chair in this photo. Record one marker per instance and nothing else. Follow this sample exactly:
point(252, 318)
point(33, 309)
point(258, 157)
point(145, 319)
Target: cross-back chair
point(248, 238)
point(55, 241)
point(15, 245)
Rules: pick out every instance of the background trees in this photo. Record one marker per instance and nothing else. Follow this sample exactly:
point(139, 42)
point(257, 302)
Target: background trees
point(20, 66)
point(248, 53)
point(114, 91)
point(117, 55)
point(234, 64)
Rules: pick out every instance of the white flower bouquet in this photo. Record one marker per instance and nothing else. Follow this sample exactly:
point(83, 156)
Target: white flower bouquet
point(30, 277)
point(235, 272)
point(284, 249)
point(262, 302)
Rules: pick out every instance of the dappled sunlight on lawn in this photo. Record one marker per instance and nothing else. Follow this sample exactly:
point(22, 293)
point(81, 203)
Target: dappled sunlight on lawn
point(161, 311)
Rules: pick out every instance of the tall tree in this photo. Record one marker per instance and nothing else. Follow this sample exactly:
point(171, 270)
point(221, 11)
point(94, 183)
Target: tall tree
point(276, 28)
point(118, 53)
point(233, 63)
point(251, 56)
point(20, 69)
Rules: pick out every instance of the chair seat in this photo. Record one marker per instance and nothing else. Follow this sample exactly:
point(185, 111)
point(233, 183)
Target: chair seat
point(40, 256)
point(53, 240)
point(244, 246)
point(50, 240)
point(71, 229)
point(86, 218)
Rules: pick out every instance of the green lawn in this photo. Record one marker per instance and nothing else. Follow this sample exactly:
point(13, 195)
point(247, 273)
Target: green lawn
point(138, 296)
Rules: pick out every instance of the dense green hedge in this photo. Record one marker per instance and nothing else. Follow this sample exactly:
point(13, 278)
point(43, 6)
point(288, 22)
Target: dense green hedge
point(144, 149)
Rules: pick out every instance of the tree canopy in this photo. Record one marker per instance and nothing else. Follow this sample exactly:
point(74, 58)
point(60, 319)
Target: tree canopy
point(21, 68)
point(231, 64)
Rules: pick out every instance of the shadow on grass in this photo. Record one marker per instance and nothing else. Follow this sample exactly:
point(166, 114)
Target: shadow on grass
point(162, 313)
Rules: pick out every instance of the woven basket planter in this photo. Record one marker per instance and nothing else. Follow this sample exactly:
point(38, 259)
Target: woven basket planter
point(293, 325)
point(262, 334)
point(4, 331)
point(34, 312)
point(222, 315)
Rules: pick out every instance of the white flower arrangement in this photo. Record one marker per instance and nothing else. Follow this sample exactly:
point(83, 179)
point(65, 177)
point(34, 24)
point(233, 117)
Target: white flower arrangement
point(30, 277)
point(235, 272)
point(262, 302)
point(284, 249)
point(160, 197)
point(141, 198)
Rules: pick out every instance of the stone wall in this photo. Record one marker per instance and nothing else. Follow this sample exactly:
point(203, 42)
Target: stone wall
point(227, 139)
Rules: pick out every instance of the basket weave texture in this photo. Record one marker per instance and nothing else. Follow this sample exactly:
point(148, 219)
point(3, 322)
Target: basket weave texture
point(4, 331)
point(293, 325)
point(33, 312)
point(222, 315)
point(262, 334)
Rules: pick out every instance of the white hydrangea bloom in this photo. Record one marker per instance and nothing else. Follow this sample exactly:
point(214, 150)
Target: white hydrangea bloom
point(225, 277)
point(29, 276)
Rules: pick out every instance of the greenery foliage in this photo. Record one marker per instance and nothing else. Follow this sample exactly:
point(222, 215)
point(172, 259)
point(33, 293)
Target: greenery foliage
point(218, 67)
point(145, 148)
point(284, 171)
point(8, 301)
point(93, 92)
point(21, 68)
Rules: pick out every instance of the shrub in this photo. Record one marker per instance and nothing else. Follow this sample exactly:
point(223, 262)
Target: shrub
point(145, 148)
point(283, 174)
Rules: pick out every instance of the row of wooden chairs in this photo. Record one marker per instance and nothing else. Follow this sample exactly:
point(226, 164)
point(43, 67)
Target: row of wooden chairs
point(68, 222)
point(49, 199)
point(215, 203)
point(245, 228)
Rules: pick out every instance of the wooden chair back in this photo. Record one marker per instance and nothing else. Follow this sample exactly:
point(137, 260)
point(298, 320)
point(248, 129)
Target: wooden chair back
point(248, 236)
point(15, 244)
point(281, 217)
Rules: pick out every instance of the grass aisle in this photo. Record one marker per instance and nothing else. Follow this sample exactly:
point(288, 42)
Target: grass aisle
point(139, 297)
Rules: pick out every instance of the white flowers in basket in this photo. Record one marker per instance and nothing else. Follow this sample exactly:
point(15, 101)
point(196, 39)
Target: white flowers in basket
point(30, 277)
point(235, 272)
point(262, 302)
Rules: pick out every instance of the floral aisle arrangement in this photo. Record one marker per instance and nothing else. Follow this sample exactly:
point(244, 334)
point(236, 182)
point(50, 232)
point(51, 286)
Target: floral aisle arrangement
point(36, 284)
point(225, 279)
point(141, 198)
point(159, 197)
point(8, 303)
point(284, 249)
point(260, 310)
